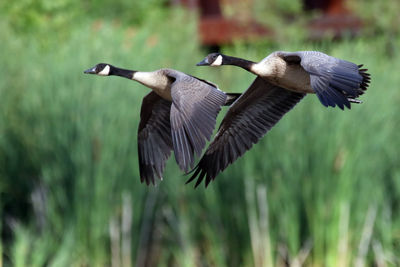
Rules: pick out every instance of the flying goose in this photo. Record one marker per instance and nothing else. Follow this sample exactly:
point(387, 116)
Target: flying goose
point(179, 114)
point(283, 79)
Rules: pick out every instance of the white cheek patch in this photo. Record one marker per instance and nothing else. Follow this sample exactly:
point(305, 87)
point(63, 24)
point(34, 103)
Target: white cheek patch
point(105, 71)
point(217, 62)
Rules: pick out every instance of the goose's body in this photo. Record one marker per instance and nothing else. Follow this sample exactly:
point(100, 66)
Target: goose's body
point(283, 79)
point(289, 76)
point(179, 114)
point(158, 81)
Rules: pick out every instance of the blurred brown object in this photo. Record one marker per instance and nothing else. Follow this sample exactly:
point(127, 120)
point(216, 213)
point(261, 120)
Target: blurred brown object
point(335, 19)
point(215, 29)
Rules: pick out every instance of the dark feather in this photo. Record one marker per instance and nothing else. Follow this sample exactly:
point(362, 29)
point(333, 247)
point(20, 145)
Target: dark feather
point(248, 119)
point(196, 105)
point(154, 137)
point(335, 81)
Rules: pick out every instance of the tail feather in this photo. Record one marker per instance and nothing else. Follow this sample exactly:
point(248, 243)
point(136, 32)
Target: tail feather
point(353, 100)
point(231, 97)
point(366, 79)
point(342, 85)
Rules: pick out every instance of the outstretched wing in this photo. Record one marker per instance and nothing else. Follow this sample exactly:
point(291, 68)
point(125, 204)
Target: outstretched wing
point(154, 137)
point(249, 119)
point(335, 81)
point(195, 107)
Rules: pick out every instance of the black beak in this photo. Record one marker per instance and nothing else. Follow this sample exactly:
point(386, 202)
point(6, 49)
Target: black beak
point(90, 71)
point(204, 62)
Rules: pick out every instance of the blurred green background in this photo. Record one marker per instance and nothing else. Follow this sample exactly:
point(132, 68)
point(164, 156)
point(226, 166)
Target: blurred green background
point(321, 189)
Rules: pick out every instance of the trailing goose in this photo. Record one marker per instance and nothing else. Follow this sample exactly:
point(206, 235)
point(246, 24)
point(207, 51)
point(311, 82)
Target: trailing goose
point(283, 79)
point(179, 114)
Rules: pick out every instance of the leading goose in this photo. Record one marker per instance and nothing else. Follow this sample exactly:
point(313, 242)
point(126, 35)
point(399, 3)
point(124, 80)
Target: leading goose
point(283, 79)
point(179, 114)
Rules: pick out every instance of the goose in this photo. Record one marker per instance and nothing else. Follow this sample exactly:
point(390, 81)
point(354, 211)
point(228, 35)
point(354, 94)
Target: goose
point(283, 79)
point(179, 114)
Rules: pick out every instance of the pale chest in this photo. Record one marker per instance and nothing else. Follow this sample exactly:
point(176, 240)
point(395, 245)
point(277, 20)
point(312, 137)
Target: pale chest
point(160, 84)
point(293, 77)
point(289, 76)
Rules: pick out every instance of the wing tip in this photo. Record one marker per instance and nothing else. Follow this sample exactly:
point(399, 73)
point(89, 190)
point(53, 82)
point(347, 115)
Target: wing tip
point(149, 173)
point(199, 173)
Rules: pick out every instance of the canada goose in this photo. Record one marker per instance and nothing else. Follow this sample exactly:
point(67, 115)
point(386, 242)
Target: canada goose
point(179, 114)
point(283, 79)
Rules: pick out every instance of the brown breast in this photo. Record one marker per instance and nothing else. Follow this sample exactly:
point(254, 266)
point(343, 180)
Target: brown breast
point(291, 76)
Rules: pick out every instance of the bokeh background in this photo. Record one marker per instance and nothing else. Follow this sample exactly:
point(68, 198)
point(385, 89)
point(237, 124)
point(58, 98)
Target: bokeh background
point(322, 188)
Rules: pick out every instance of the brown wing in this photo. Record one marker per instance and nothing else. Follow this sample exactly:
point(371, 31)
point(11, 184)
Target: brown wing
point(193, 116)
point(154, 137)
point(249, 119)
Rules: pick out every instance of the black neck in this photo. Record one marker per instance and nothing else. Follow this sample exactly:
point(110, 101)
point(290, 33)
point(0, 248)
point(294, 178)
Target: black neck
point(121, 72)
point(240, 62)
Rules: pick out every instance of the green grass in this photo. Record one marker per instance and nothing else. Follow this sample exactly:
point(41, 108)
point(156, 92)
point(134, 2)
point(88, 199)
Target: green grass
point(302, 193)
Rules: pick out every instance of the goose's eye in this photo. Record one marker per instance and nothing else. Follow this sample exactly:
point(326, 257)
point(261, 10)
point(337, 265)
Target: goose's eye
point(99, 67)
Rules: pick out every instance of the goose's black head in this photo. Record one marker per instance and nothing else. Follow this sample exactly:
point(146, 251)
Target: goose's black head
point(104, 69)
point(213, 59)
point(101, 69)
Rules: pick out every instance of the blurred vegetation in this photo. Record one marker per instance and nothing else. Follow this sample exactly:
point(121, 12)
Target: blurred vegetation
point(31, 15)
point(321, 189)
